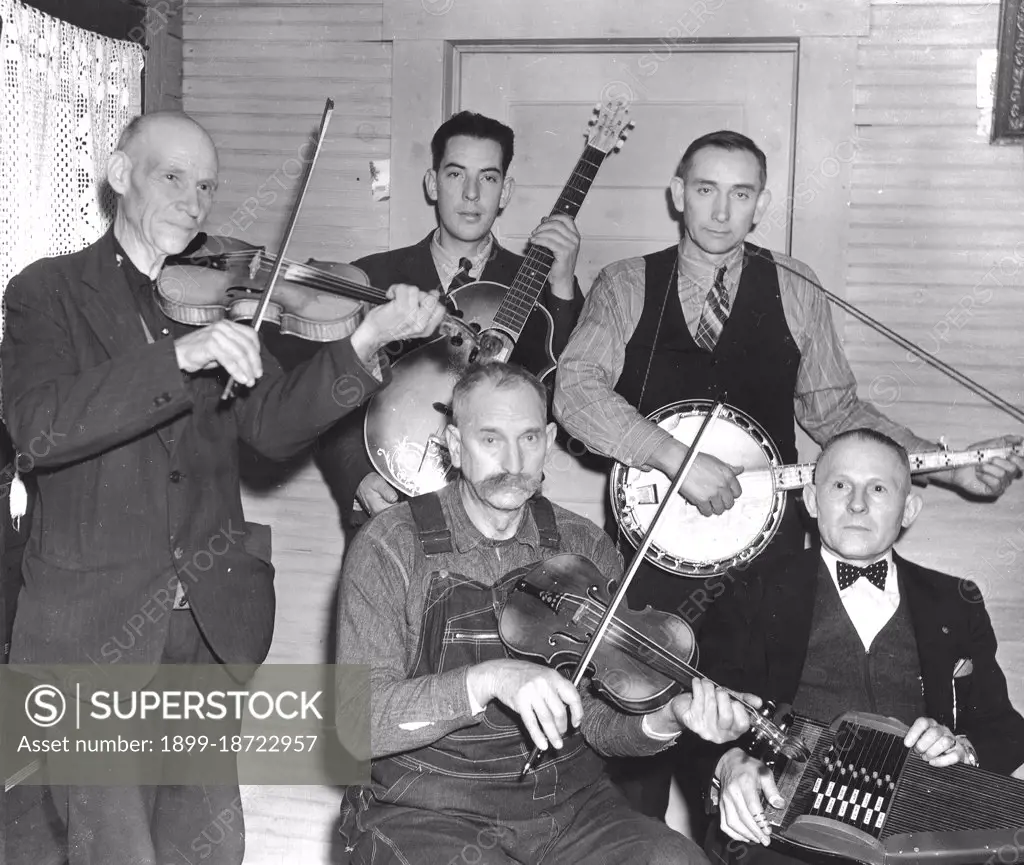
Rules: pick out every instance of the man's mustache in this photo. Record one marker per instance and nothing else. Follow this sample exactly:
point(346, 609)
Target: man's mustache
point(511, 479)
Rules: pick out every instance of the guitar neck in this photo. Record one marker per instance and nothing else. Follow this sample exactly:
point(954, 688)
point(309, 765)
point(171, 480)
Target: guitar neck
point(795, 476)
point(532, 276)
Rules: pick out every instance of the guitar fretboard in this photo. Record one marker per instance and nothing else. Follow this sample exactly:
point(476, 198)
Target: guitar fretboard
point(795, 476)
point(529, 281)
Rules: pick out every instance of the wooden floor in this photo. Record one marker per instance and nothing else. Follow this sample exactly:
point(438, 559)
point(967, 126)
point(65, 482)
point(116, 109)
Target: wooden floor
point(32, 833)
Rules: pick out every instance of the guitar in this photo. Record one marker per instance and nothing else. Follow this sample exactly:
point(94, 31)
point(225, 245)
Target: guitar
point(405, 422)
point(691, 545)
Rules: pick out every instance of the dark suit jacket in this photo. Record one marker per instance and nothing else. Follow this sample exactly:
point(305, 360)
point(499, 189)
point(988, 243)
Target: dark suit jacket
point(755, 639)
point(102, 414)
point(342, 452)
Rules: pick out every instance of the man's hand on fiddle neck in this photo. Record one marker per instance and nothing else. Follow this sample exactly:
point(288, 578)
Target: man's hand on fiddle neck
point(707, 710)
point(409, 314)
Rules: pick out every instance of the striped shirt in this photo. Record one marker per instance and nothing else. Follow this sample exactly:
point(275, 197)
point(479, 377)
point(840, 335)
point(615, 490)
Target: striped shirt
point(586, 404)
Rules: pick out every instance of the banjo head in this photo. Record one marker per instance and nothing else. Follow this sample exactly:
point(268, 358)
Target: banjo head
point(685, 542)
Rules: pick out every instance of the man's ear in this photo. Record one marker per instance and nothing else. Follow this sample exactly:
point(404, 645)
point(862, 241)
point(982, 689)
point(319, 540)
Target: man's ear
point(453, 438)
point(764, 198)
point(911, 508)
point(811, 501)
point(552, 431)
point(508, 186)
point(119, 169)
point(677, 187)
point(430, 184)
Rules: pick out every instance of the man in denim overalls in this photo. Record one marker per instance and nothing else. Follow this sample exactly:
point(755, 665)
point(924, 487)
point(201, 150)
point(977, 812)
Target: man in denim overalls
point(453, 717)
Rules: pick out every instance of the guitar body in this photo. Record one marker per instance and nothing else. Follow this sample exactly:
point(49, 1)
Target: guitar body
point(405, 422)
point(404, 428)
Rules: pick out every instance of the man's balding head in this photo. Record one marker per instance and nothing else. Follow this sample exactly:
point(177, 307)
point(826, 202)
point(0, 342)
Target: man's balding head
point(164, 172)
point(141, 129)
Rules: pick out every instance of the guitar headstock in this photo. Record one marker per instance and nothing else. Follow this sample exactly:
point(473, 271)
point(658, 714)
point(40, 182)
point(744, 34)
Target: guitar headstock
point(610, 125)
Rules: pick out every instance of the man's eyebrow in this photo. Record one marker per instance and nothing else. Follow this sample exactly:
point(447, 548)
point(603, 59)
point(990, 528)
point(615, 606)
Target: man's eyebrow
point(451, 163)
point(747, 187)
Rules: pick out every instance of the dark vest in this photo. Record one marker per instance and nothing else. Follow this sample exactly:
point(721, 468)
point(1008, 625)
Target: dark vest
point(753, 367)
point(476, 769)
point(839, 676)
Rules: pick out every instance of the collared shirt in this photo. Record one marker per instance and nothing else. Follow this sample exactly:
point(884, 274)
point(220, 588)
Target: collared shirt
point(868, 607)
point(448, 264)
point(380, 616)
point(825, 401)
point(697, 275)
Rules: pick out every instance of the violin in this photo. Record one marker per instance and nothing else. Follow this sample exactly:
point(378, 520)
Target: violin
point(645, 659)
point(223, 277)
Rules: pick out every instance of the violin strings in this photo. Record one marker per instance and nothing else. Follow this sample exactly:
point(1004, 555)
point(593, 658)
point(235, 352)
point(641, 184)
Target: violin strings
point(631, 638)
point(320, 279)
point(626, 636)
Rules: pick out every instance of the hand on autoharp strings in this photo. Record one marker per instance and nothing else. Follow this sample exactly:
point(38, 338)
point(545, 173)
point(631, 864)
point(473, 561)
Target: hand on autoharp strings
point(746, 783)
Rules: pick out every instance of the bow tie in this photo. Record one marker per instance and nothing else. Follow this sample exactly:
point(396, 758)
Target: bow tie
point(875, 574)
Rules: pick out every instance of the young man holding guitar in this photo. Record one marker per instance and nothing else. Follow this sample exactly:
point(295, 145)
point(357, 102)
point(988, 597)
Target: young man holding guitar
point(470, 186)
point(718, 318)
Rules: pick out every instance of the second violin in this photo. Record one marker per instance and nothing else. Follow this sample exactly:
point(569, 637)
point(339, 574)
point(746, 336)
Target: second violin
point(645, 658)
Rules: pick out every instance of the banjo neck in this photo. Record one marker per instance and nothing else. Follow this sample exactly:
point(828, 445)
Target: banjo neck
point(796, 476)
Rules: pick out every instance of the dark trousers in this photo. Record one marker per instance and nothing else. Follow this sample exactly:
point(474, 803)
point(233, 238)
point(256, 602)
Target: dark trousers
point(596, 826)
point(646, 782)
point(156, 825)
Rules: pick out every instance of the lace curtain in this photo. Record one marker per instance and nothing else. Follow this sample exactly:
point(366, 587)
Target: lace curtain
point(65, 96)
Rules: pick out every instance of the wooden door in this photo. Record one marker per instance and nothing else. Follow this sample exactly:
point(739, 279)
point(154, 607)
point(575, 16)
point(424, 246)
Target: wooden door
point(546, 96)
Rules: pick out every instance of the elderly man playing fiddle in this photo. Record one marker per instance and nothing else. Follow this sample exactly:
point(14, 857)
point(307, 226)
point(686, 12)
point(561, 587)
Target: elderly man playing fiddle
point(453, 716)
point(140, 470)
point(851, 625)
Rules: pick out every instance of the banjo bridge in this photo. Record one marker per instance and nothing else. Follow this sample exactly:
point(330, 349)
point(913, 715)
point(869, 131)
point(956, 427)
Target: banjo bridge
point(642, 494)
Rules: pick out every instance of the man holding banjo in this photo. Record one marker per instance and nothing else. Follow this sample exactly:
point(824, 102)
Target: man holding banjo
point(716, 318)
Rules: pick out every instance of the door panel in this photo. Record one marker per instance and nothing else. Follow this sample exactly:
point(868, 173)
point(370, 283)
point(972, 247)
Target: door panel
point(547, 97)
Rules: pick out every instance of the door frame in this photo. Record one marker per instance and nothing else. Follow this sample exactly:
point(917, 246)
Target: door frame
point(424, 88)
point(455, 51)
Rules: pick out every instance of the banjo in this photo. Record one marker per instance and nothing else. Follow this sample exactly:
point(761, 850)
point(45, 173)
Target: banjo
point(691, 545)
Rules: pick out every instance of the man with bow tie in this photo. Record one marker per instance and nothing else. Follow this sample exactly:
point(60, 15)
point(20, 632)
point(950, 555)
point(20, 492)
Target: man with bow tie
point(716, 317)
point(853, 626)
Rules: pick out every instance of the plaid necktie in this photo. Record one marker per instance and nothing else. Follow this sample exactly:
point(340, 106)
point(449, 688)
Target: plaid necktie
point(875, 574)
point(462, 277)
point(714, 314)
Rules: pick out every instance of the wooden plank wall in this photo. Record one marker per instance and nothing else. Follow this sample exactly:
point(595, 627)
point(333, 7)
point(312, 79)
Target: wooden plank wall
point(161, 31)
point(935, 249)
point(256, 75)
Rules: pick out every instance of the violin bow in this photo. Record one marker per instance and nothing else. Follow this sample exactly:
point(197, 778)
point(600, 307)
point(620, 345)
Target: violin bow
point(638, 559)
point(279, 263)
point(943, 367)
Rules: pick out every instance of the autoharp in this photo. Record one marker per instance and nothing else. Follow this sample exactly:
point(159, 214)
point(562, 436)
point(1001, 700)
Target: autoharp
point(863, 795)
